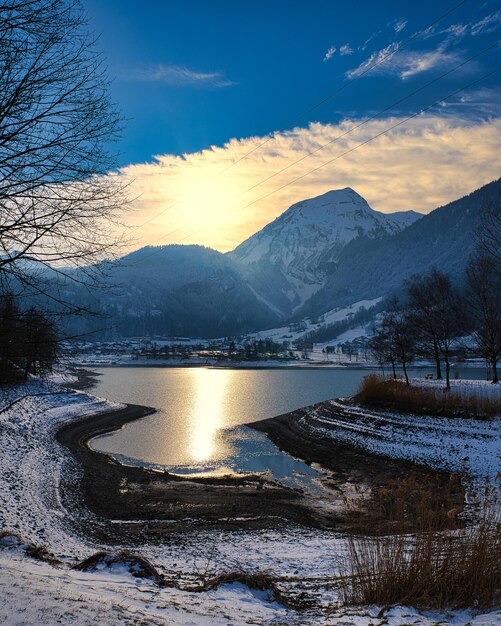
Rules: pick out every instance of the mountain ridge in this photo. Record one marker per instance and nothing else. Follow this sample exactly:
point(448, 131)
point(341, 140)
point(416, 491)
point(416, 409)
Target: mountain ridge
point(187, 290)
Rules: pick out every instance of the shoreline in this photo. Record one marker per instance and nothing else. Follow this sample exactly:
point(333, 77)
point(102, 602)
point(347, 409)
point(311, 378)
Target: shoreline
point(162, 503)
point(158, 503)
point(292, 434)
point(265, 365)
point(240, 366)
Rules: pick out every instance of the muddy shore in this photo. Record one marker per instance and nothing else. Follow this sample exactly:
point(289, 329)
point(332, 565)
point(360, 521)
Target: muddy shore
point(291, 433)
point(161, 503)
point(168, 503)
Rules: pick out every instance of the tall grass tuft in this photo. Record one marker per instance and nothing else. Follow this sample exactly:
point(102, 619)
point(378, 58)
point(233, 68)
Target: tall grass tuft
point(379, 391)
point(434, 568)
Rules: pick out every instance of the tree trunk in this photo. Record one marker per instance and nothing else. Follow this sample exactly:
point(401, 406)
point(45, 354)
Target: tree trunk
point(393, 368)
point(405, 372)
point(495, 378)
point(437, 360)
point(447, 375)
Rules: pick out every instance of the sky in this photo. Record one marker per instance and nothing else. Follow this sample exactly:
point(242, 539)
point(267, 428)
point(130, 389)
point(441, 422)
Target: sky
point(236, 110)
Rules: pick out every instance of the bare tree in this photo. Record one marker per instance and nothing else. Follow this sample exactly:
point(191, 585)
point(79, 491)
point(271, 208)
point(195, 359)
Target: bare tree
point(450, 318)
point(437, 315)
point(488, 233)
point(395, 338)
point(423, 309)
point(381, 348)
point(57, 125)
point(484, 297)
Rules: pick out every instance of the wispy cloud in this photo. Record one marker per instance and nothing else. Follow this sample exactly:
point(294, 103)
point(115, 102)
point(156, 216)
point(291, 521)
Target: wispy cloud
point(366, 43)
point(428, 162)
point(405, 63)
point(345, 49)
point(488, 24)
point(485, 101)
point(452, 32)
point(412, 63)
point(180, 75)
point(399, 25)
point(377, 58)
point(330, 53)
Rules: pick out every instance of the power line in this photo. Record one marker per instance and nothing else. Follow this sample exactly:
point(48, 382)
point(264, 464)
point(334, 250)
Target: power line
point(347, 84)
point(371, 118)
point(343, 135)
point(363, 143)
point(318, 104)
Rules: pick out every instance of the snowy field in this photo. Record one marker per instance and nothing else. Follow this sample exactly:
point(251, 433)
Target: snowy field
point(464, 388)
point(335, 315)
point(455, 445)
point(33, 465)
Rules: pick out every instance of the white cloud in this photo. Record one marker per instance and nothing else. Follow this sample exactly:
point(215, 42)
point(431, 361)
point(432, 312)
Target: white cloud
point(452, 32)
point(181, 75)
point(484, 100)
point(368, 40)
point(420, 165)
point(399, 25)
point(416, 62)
point(456, 30)
point(404, 63)
point(345, 49)
point(376, 58)
point(488, 24)
point(330, 53)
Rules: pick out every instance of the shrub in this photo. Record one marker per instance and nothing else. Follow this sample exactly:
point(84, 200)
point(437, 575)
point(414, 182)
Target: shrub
point(137, 565)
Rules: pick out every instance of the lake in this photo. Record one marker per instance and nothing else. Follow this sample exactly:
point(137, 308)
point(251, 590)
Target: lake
point(200, 412)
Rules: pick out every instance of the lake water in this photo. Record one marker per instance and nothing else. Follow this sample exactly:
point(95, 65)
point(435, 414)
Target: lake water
point(200, 412)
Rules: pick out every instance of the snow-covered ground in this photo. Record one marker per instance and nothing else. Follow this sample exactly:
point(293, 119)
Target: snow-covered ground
point(455, 445)
point(286, 333)
point(37, 594)
point(33, 464)
point(465, 388)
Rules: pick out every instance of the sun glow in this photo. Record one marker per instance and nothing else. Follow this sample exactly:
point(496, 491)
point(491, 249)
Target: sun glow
point(220, 196)
point(207, 202)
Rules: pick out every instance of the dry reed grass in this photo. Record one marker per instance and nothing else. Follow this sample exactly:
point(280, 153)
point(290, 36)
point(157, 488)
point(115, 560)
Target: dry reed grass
point(434, 568)
point(394, 394)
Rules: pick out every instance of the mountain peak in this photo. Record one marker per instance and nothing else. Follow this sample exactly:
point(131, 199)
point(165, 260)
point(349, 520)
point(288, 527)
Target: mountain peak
point(301, 247)
point(333, 202)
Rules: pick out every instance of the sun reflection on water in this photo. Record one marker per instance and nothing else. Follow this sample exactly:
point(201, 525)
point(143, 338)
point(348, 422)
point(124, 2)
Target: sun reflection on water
point(209, 412)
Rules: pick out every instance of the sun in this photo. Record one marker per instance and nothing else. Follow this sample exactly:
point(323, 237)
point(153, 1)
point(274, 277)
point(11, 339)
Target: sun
point(207, 202)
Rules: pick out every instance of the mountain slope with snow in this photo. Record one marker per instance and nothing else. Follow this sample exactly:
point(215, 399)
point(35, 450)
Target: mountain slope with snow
point(175, 291)
point(444, 238)
point(324, 253)
point(291, 258)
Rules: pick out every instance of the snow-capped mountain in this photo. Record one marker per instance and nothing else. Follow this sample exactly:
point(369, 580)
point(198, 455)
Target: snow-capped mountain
point(291, 258)
point(319, 256)
point(444, 238)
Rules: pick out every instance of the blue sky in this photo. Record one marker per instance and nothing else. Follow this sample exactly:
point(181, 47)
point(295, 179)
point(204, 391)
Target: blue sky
point(217, 142)
point(191, 74)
